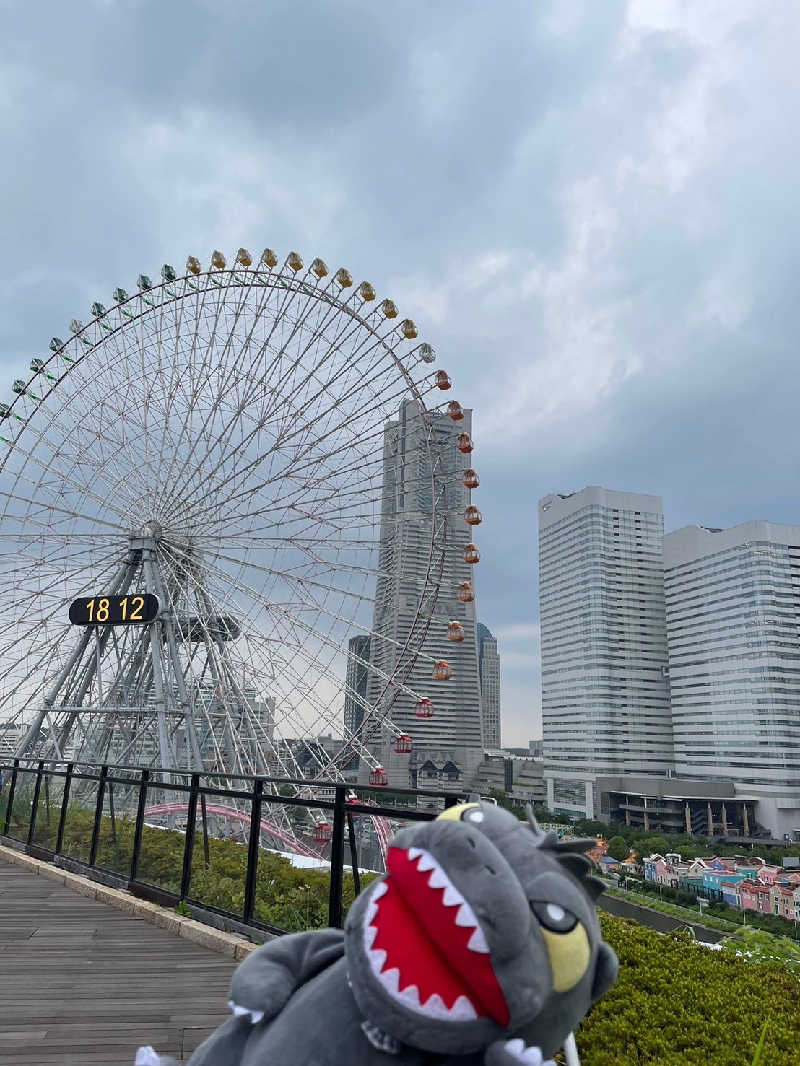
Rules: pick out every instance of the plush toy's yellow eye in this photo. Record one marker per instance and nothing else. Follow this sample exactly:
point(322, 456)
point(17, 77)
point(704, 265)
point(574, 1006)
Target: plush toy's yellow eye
point(462, 812)
point(566, 942)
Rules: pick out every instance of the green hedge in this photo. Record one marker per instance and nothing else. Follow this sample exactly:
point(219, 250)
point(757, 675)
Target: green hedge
point(677, 1003)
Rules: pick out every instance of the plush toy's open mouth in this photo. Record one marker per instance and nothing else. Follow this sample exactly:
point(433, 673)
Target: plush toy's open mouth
point(425, 945)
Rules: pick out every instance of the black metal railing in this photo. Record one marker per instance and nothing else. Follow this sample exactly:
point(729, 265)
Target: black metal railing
point(28, 816)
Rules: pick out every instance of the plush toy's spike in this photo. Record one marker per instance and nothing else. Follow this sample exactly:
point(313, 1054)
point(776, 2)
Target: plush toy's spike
point(532, 820)
point(577, 864)
point(582, 844)
point(594, 886)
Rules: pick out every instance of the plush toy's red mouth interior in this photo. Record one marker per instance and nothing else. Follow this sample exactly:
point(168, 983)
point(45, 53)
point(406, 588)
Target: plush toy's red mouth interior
point(425, 945)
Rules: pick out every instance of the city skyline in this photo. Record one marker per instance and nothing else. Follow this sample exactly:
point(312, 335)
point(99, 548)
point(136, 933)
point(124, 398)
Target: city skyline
point(668, 657)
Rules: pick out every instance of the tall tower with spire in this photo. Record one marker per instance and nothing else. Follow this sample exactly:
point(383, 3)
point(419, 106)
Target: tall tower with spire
point(447, 746)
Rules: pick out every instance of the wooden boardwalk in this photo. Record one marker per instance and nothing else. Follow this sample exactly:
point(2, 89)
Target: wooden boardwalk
point(81, 983)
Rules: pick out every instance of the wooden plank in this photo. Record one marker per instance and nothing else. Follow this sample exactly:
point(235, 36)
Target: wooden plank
point(84, 984)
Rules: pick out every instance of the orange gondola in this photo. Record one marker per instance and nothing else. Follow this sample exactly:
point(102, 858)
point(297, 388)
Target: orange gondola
point(471, 554)
point(465, 592)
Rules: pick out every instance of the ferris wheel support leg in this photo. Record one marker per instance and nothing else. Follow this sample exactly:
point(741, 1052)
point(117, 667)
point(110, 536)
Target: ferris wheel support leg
point(168, 624)
point(183, 696)
point(156, 647)
point(119, 584)
point(32, 733)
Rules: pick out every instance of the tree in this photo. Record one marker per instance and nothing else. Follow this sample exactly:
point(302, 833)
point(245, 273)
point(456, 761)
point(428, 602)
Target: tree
point(617, 849)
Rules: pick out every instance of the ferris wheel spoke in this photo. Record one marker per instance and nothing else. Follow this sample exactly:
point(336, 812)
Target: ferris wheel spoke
point(304, 627)
point(321, 392)
point(86, 402)
point(228, 430)
point(213, 410)
point(373, 427)
point(32, 458)
point(65, 511)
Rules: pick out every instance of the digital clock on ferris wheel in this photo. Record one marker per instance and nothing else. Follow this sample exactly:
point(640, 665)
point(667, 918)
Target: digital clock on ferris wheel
point(132, 609)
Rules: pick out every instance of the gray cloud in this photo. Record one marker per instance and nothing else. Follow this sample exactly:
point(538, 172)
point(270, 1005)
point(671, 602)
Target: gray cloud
point(590, 209)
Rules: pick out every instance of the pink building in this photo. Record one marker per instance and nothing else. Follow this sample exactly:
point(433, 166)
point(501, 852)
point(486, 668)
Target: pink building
point(784, 900)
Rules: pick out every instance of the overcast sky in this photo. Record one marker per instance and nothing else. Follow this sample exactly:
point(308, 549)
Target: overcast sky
point(590, 208)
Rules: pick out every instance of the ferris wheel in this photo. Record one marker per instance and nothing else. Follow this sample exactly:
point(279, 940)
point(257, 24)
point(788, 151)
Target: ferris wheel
point(202, 463)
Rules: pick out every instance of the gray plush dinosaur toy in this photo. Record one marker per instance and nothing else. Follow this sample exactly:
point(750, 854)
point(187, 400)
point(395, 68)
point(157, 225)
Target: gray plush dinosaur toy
point(480, 946)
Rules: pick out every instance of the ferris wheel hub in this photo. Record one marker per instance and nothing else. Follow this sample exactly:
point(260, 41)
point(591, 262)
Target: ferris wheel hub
point(153, 529)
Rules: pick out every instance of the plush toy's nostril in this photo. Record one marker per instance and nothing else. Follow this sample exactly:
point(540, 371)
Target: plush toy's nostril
point(491, 871)
point(471, 842)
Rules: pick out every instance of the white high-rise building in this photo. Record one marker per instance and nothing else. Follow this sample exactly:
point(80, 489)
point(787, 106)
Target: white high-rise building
point(605, 700)
point(453, 736)
point(489, 669)
point(733, 619)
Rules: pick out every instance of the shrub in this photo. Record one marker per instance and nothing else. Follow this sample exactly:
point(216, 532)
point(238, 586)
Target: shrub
point(678, 1004)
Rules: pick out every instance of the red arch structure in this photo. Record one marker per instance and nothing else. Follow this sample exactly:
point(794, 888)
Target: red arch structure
point(381, 826)
point(232, 815)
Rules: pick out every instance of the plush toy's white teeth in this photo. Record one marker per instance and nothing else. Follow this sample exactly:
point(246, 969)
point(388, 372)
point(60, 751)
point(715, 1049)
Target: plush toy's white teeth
point(463, 1010)
point(377, 957)
point(434, 1007)
point(390, 979)
point(438, 879)
point(477, 942)
point(466, 916)
point(254, 1016)
point(527, 1056)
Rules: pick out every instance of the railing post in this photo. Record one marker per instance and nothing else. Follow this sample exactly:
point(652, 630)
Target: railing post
point(98, 813)
point(139, 826)
point(252, 850)
point(10, 802)
point(351, 833)
point(337, 860)
point(62, 818)
point(204, 819)
point(188, 839)
point(36, 789)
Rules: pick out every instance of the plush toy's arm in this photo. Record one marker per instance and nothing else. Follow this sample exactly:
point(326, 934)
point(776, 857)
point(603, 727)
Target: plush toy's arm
point(264, 982)
point(514, 1053)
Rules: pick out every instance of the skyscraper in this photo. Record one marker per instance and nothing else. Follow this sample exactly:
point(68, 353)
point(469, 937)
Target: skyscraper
point(355, 698)
point(605, 701)
point(489, 670)
point(733, 618)
point(453, 735)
